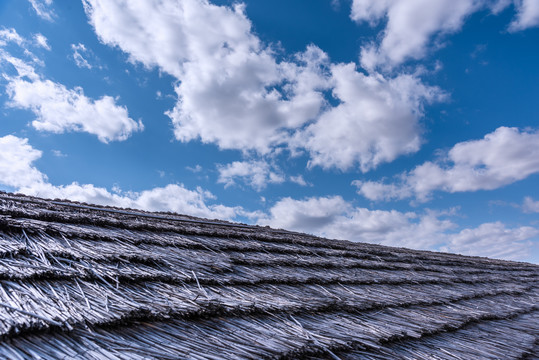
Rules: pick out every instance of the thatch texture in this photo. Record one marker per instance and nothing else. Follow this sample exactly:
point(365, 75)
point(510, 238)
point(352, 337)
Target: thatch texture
point(81, 282)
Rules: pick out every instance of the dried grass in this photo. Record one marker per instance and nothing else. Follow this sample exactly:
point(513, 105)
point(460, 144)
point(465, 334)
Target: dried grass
point(85, 283)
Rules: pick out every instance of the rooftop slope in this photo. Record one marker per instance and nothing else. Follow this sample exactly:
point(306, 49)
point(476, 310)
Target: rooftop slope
point(82, 282)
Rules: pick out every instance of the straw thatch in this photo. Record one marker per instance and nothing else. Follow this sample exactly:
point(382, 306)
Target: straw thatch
point(86, 282)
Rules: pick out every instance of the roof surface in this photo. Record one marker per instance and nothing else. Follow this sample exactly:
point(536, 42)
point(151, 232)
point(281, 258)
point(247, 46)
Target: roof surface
point(87, 282)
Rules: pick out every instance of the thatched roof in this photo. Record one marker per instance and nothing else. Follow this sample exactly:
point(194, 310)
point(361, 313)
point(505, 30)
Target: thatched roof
point(86, 282)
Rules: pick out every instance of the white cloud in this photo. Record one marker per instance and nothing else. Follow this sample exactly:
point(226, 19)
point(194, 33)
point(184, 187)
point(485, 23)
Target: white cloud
point(376, 121)
point(493, 240)
point(59, 109)
point(299, 180)
point(16, 158)
point(22, 68)
point(232, 92)
point(41, 41)
point(374, 190)
point(10, 35)
point(257, 174)
point(333, 217)
point(530, 206)
point(79, 53)
point(328, 216)
point(500, 158)
point(310, 215)
point(58, 153)
point(410, 26)
point(196, 169)
point(172, 197)
point(527, 15)
point(18, 171)
point(413, 26)
point(43, 9)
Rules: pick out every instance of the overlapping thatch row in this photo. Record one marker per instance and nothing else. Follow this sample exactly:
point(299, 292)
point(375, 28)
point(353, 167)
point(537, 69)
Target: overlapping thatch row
point(70, 303)
point(25, 208)
point(31, 267)
point(43, 252)
point(477, 341)
point(81, 282)
point(280, 335)
point(200, 243)
point(210, 261)
point(117, 248)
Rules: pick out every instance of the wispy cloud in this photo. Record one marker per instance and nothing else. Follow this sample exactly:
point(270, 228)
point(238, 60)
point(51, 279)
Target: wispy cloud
point(10, 35)
point(84, 57)
point(43, 9)
point(298, 179)
point(530, 205)
point(58, 153)
point(196, 169)
point(42, 41)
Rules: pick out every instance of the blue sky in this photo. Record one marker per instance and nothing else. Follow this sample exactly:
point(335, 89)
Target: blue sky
point(405, 123)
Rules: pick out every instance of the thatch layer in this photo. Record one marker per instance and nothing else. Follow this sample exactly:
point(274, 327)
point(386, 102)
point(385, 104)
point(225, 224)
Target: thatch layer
point(84, 282)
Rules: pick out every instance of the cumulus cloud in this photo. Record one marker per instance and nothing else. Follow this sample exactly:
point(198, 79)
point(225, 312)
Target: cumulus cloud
point(376, 121)
point(413, 26)
point(59, 109)
point(257, 174)
point(235, 92)
point(527, 15)
point(410, 26)
point(530, 205)
point(16, 158)
point(334, 217)
point(172, 197)
point(17, 171)
point(502, 157)
point(43, 9)
point(329, 216)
